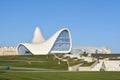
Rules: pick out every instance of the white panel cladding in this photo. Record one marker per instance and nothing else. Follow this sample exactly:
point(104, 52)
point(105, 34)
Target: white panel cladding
point(44, 47)
point(38, 37)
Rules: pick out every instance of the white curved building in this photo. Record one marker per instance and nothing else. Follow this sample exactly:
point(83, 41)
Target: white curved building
point(60, 42)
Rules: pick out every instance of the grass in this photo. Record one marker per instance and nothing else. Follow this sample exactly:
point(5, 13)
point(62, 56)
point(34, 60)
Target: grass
point(87, 64)
point(60, 76)
point(42, 61)
point(57, 72)
point(72, 63)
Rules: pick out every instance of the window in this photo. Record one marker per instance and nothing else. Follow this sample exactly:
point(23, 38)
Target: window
point(62, 43)
point(23, 50)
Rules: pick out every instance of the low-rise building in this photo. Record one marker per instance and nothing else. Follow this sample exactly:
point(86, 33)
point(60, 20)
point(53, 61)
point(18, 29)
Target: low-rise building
point(8, 50)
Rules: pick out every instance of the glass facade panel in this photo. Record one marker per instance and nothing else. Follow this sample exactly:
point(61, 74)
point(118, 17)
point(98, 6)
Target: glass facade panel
point(23, 50)
point(62, 43)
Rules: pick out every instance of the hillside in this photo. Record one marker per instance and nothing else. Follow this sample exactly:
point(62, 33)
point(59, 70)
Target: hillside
point(31, 61)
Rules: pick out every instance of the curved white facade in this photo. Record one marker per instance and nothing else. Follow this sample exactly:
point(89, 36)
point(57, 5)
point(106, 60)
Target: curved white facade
point(60, 42)
point(38, 37)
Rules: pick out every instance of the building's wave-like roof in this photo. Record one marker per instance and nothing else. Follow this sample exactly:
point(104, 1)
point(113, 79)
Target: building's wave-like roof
point(38, 37)
point(44, 46)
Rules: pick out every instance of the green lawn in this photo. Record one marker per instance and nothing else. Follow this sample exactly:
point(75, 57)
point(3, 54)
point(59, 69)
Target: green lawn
point(54, 71)
point(59, 75)
point(42, 61)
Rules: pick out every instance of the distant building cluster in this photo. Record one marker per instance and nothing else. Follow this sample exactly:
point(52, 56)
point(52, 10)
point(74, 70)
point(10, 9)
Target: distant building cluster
point(93, 50)
point(11, 50)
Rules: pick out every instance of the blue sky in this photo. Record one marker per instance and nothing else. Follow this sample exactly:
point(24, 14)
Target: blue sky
point(91, 22)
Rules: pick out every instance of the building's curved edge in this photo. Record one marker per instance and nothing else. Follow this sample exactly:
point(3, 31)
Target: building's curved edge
point(60, 31)
point(45, 47)
point(23, 44)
